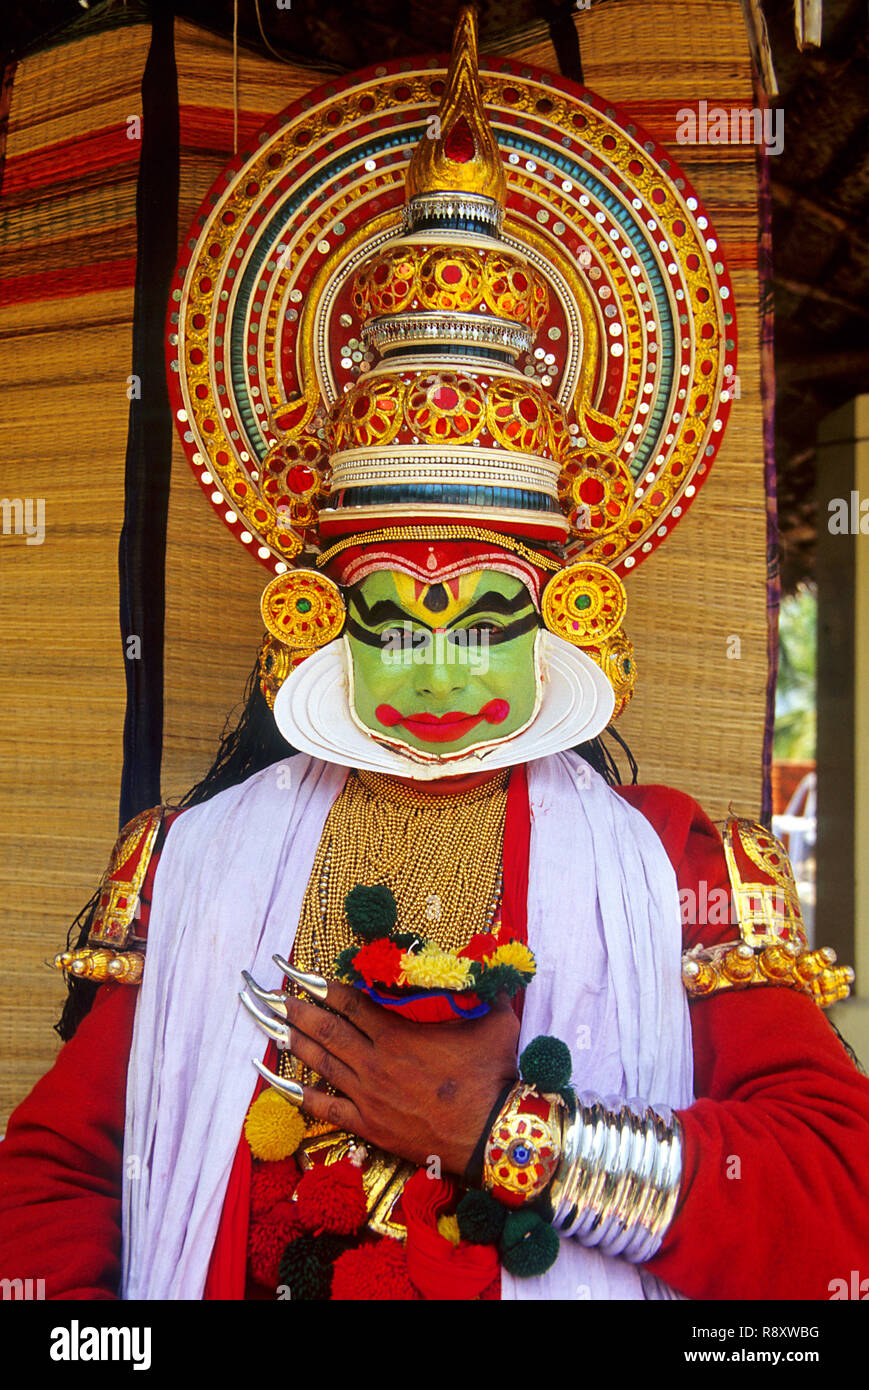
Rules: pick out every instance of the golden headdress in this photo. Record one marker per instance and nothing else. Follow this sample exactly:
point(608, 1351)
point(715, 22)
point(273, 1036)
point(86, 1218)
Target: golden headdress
point(501, 319)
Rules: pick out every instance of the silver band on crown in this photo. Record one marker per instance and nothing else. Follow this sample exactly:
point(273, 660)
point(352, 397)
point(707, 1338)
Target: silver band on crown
point(446, 206)
point(435, 328)
point(617, 1185)
point(406, 464)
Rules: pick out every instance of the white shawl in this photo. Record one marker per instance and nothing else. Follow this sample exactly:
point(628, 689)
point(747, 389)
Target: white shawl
point(603, 923)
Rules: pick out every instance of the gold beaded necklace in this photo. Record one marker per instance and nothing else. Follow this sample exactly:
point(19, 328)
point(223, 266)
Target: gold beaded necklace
point(442, 857)
point(439, 854)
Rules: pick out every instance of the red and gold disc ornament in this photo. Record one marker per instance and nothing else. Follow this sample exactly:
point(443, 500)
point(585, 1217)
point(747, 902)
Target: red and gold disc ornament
point(523, 1148)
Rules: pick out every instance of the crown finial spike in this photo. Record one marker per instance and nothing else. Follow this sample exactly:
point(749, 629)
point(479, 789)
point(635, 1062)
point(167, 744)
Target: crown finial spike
point(460, 153)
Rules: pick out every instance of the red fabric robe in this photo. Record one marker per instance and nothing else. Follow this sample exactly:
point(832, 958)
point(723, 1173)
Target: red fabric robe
point(776, 1148)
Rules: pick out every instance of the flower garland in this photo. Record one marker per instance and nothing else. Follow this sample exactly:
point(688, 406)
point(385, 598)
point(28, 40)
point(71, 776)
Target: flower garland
point(401, 963)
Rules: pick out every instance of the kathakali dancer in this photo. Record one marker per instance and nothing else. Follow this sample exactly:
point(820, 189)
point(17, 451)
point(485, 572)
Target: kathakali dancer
point(477, 1053)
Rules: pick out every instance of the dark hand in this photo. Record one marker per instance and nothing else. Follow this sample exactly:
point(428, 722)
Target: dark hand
point(413, 1089)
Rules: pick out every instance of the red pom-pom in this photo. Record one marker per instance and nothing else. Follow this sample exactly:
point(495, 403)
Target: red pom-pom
point(266, 1242)
point(331, 1197)
point(373, 1273)
point(271, 1183)
point(492, 1292)
point(379, 962)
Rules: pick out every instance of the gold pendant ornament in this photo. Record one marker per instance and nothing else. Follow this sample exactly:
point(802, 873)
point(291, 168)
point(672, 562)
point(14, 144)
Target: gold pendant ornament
point(303, 611)
point(275, 663)
point(584, 604)
point(615, 657)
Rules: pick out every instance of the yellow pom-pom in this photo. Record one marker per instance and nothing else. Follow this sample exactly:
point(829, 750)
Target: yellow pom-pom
point(432, 968)
point(274, 1127)
point(515, 954)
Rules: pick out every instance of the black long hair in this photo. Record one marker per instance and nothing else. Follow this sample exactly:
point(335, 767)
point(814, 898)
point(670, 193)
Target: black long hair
point(250, 742)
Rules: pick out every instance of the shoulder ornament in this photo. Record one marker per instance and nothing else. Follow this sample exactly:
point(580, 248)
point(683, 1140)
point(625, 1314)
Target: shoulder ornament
point(772, 948)
point(116, 941)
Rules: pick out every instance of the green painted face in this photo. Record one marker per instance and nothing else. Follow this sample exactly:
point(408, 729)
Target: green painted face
point(442, 667)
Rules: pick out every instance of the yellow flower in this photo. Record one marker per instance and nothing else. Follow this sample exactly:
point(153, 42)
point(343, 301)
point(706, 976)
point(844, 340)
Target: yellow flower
point(515, 954)
point(432, 968)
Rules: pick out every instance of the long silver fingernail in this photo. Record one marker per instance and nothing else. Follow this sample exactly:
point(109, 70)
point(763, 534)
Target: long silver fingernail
point(314, 984)
point(287, 1088)
point(273, 997)
point(279, 1031)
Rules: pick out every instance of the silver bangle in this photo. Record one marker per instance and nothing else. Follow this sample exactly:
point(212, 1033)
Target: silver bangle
point(617, 1185)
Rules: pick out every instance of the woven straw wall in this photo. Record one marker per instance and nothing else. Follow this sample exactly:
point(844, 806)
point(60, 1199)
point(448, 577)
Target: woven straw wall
point(697, 720)
point(213, 586)
point(67, 263)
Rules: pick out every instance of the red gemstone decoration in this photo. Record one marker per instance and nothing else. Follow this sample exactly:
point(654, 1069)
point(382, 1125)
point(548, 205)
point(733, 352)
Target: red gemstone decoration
point(300, 478)
point(288, 418)
point(445, 398)
point(459, 142)
point(591, 490)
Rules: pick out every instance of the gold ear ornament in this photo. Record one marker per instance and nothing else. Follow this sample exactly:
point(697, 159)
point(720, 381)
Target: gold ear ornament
point(585, 604)
point(303, 611)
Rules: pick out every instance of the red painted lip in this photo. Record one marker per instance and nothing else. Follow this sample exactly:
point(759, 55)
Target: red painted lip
point(443, 728)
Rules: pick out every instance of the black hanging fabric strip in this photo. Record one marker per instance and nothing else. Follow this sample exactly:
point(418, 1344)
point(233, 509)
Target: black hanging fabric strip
point(565, 40)
point(142, 548)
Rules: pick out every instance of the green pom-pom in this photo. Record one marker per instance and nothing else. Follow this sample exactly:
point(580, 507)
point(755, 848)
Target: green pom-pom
point(498, 979)
point(529, 1245)
point(546, 1064)
point(371, 912)
point(344, 967)
point(306, 1265)
point(481, 1219)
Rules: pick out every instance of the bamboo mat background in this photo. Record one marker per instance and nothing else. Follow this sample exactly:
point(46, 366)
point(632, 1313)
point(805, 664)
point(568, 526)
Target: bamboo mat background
point(213, 586)
point(67, 265)
point(697, 720)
